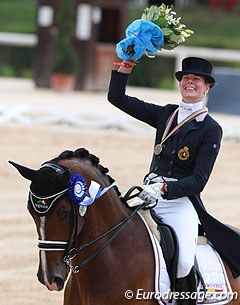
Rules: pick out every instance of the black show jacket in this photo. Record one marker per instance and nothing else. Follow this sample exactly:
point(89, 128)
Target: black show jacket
point(202, 140)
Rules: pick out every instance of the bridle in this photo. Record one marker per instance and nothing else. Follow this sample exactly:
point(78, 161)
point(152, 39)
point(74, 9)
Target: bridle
point(70, 247)
point(118, 227)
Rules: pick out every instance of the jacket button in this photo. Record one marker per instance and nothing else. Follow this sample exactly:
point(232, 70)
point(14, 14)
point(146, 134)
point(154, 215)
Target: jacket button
point(169, 173)
point(171, 162)
point(173, 152)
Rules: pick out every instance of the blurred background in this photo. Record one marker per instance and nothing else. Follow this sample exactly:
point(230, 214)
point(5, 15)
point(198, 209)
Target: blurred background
point(40, 39)
point(70, 44)
point(56, 58)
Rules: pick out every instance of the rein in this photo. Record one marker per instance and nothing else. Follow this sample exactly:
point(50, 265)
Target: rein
point(121, 225)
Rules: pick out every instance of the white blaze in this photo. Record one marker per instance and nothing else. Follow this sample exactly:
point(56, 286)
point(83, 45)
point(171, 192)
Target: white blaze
point(42, 252)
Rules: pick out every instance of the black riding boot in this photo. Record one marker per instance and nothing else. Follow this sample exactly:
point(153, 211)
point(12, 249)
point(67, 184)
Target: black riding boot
point(186, 288)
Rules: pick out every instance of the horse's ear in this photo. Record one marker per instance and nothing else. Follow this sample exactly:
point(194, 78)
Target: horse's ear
point(64, 178)
point(24, 171)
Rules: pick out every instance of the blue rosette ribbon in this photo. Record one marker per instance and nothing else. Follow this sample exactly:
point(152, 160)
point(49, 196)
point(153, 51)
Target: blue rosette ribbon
point(77, 190)
point(141, 36)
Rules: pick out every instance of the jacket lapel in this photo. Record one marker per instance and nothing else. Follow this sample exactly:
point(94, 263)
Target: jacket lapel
point(186, 128)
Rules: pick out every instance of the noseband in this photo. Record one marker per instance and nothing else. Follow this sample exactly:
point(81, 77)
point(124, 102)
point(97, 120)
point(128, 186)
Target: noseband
point(46, 245)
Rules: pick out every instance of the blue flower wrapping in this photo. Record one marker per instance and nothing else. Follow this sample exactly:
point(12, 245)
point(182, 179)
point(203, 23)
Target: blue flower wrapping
point(141, 36)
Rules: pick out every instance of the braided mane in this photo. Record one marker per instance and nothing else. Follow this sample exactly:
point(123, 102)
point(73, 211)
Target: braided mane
point(82, 153)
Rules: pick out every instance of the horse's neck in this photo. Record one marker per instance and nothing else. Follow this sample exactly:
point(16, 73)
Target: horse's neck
point(104, 214)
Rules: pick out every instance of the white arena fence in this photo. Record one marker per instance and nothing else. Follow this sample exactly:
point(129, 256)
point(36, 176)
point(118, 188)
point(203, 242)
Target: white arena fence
point(22, 114)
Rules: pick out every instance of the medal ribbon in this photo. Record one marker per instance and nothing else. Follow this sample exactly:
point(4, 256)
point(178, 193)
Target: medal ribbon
point(168, 134)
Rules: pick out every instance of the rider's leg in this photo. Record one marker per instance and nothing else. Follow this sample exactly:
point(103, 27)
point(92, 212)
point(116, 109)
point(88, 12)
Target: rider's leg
point(181, 215)
point(187, 289)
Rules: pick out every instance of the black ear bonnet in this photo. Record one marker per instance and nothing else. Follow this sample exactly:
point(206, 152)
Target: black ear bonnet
point(49, 184)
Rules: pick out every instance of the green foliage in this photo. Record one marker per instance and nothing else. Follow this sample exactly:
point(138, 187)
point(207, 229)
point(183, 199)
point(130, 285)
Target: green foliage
point(18, 16)
point(217, 29)
point(66, 57)
point(15, 61)
point(156, 73)
point(174, 31)
point(7, 71)
point(212, 28)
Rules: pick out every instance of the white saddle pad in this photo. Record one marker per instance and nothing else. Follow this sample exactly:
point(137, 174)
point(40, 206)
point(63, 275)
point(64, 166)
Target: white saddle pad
point(218, 290)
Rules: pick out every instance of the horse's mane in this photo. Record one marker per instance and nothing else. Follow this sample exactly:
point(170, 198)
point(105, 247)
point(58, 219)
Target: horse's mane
point(82, 153)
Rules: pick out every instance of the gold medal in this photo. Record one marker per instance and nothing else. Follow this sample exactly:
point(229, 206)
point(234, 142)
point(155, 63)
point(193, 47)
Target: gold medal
point(158, 149)
point(184, 154)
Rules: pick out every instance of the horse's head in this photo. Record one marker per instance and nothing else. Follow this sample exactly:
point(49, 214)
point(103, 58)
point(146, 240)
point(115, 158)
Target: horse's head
point(60, 192)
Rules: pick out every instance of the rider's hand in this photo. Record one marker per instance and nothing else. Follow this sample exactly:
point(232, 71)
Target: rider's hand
point(151, 193)
point(155, 188)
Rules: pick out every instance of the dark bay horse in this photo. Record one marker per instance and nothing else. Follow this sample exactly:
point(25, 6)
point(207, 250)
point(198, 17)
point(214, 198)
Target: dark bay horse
point(84, 227)
point(107, 249)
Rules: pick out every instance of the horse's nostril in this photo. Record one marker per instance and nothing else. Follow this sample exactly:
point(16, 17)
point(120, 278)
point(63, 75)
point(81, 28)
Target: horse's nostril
point(59, 281)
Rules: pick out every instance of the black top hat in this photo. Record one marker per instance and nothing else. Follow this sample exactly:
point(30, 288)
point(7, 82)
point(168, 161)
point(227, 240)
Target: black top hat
point(196, 65)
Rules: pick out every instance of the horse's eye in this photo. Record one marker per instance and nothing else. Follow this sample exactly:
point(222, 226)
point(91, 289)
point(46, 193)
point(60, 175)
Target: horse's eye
point(64, 215)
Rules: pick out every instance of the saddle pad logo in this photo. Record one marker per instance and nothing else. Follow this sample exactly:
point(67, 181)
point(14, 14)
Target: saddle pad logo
point(214, 288)
point(183, 153)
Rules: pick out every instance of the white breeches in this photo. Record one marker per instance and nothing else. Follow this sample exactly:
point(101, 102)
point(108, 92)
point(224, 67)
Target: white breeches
point(181, 215)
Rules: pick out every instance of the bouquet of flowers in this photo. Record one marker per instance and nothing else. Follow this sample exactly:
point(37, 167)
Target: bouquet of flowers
point(159, 28)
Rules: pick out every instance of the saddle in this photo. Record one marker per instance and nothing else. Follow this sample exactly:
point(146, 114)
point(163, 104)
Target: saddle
point(212, 283)
point(169, 245)
point(170, 249)
point(168, 241)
